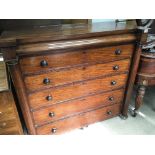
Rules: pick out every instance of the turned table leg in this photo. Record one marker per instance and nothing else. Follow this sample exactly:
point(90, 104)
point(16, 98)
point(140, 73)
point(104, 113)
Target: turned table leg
point(139, 98)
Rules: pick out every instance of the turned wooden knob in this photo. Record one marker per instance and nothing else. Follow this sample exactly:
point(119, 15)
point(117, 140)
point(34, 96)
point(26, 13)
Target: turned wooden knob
point(113, 82)
point(49, 98)
point(54, 130)
point(109, 112)
point(46, 81)
point(118, 52)
point(51, 114)
point(116, 67)
point(111, 98)
point(43, 63)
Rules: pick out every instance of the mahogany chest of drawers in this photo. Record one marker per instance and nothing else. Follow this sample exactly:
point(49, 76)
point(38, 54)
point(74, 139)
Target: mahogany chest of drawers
point(70, 76)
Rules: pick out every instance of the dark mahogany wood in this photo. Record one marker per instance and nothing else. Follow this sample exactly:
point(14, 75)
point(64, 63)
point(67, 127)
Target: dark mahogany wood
point(142, 35)
point(147, 64)
point(72, 75)
point(57, 46)
point(145, 77)
point(139, 97)
point(81, 120)
point(58, 78)
point(70, 108)
point(66, 32)
point(73, 91)
point(31, 65)
point(22, 96)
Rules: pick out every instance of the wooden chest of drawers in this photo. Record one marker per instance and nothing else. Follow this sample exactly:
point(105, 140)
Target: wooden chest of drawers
point(67, 77)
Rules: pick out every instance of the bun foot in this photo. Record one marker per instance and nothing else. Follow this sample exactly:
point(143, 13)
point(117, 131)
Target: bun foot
point(82, 128)
point(124, 117)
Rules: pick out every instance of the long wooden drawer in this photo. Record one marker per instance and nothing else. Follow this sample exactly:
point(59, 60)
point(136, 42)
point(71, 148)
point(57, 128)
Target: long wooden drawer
point(73, 91)
point(59, 111)
point(56, 61)
point(81, 120)
point(76, 74)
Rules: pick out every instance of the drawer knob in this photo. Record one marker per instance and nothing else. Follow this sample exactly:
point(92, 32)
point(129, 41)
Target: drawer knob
point(51, 114)
point(46, 81)
point(43, 63)
point(118, 52)
point(113, 82)
point(49, 98)
point(116, 67)
point(2, 125)
point(111, 98)
point(54, 130)
point(109, 112)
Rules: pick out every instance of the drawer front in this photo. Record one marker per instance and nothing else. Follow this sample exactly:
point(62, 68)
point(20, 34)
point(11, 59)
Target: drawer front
point(8, 127)
point(6, 114)
point(75, 74)
point(81, 120)
point(9, 119)
point(58, 61)
point(6, 108)
point(4, 105)
point(63, 110)
point(73, 91)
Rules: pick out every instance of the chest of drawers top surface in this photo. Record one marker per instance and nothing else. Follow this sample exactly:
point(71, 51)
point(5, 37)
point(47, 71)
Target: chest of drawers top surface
point(70, 76)
point(68, 36)
point(61, 32)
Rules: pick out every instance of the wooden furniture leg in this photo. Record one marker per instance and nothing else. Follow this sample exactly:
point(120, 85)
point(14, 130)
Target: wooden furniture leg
point(139, 99)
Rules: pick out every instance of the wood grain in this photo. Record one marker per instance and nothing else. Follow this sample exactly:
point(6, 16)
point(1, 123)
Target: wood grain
point(75, 44)
point(146, 66)
point(63, 32)
point(9, 119)
point(58, 78)
point(77, 106)
point(145, 77)
point(142, 36)
point(79, 60)
point(3, 77)
point(81, 120)
point(22, 96)
point(77, 90)
point(68, 59)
